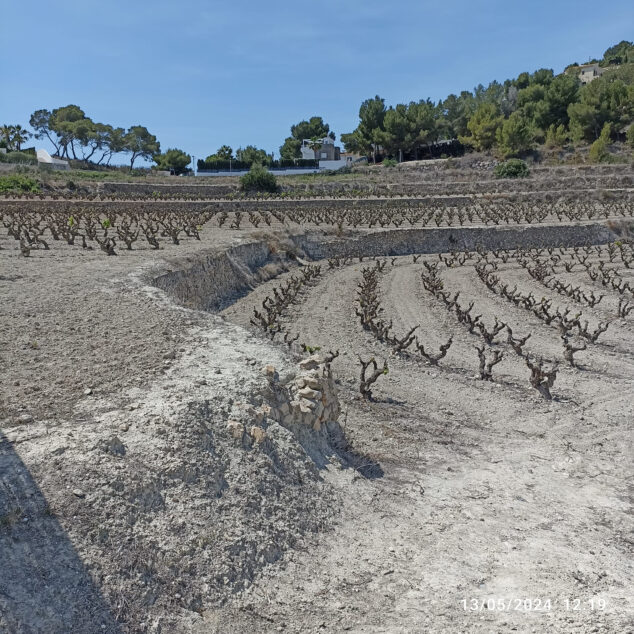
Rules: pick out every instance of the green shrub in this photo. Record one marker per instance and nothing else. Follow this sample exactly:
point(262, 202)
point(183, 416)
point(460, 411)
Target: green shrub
point(389, 162)
point(18, 157)
point(556, 136)
point(515, 135)
point(258, 178)
point(18, 183)
point(174, 159)
point(599, 149)
point(513, 168)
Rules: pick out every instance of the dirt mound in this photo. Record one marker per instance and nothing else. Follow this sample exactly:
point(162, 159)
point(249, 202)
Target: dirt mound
point(177, 500)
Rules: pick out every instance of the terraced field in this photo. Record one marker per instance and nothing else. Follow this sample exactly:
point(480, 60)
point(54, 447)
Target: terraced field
point(492, 489)
point(174, 457)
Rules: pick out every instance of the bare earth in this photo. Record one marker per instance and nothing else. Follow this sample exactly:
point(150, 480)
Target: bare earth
point(484, 491)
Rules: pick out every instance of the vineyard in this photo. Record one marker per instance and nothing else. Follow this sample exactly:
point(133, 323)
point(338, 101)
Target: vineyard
point(462, 313)
point(38, 225)
point(350, 405)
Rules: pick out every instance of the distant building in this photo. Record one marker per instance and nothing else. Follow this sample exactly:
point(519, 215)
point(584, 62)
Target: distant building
point(327, 152)
point(589, 72)
point(44, 159)
point(352, 157)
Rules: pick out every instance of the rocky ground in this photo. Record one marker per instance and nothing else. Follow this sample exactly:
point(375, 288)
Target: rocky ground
point(136, 496)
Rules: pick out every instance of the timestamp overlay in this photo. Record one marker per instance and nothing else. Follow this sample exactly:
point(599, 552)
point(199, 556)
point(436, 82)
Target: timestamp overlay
point(533, 609)
point(533, 604)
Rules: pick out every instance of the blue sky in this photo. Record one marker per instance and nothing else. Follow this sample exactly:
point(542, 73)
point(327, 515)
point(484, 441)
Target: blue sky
point(200, 74)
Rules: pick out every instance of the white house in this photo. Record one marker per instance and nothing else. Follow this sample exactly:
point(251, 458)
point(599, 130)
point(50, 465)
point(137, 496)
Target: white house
point(327, 152)
point(588, 72)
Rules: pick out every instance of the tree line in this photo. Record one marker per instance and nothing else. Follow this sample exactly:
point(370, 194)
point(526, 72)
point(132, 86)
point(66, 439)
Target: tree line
point(510, 117)
point(75, 136)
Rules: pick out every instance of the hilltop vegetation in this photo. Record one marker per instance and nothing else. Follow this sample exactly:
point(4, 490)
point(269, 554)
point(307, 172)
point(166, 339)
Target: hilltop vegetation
point(510, 117)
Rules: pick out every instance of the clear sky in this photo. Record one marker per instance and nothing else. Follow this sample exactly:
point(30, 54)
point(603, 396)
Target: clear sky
point(202, 73)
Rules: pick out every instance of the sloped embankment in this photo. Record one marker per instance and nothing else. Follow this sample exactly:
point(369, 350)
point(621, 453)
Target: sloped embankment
point(214, 281)
point(177, 501)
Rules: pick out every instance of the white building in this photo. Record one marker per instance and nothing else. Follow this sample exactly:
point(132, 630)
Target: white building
point(44, 159)
point(588, 72)
point(327, 152)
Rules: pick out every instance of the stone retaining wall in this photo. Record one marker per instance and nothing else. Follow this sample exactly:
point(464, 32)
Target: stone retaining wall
point(147, 189)
point(446, 239)
point(484, 186)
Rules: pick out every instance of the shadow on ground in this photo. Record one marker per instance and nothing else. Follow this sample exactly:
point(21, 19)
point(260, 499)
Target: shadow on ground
point(44, 586)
